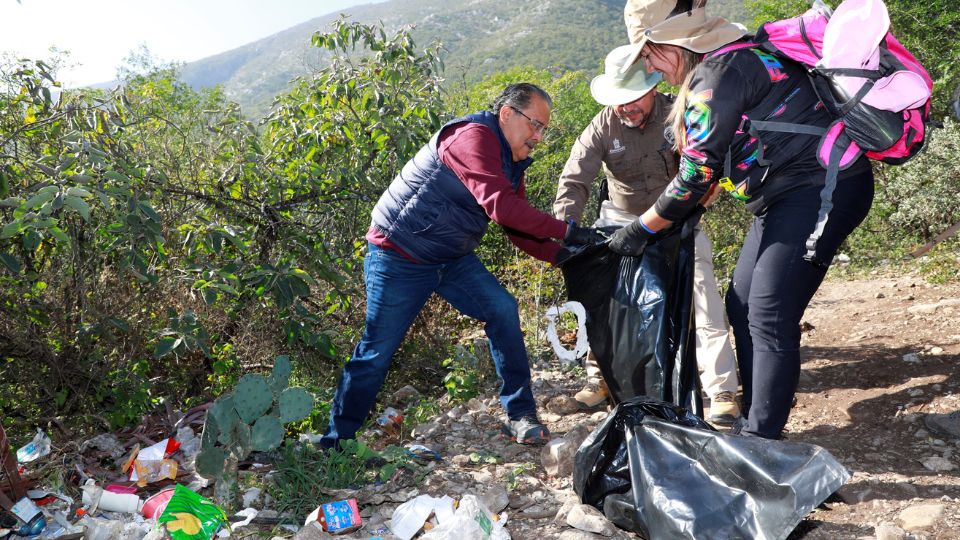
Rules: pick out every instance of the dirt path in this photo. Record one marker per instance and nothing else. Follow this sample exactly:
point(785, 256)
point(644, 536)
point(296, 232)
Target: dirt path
point(879, 355)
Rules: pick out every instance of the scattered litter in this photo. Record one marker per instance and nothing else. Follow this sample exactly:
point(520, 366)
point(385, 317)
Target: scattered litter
point(247, 513)
point(97, 498)
point(390, 421)
point(153, 506)
point(30, 517)
point(470, 521)
point(35, 449)
point(337, 517)
point(188, 516)
point(422, 453)
point(414, 514)
point(582, 346)
point(151, 463)
point(105, 442)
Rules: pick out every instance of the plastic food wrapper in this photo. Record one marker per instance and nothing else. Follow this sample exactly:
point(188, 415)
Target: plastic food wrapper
point(35, 449)
point(411, 516)
point(151, 463)
point(656, 469)
point(337, 517)
point(188, 516)
point(639, 314)
point(470, 521)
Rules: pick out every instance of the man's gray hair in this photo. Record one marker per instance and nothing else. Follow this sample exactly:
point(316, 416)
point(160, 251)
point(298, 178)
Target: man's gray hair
point(519, 96)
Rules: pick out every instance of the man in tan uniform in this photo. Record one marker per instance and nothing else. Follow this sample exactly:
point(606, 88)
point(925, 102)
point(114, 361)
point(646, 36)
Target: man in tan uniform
point(626, 140)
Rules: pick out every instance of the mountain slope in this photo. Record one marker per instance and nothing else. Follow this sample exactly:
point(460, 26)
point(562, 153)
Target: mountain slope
point(481, 37)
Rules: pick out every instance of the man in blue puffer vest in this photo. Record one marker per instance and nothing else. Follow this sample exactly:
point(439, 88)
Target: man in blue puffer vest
point(425, 228)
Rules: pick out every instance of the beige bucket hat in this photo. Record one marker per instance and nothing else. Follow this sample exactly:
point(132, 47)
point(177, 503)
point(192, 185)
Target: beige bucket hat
point(618, 85)
point(651, 20)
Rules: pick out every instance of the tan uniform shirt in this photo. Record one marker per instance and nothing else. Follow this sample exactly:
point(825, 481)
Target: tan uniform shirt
point(637, 162)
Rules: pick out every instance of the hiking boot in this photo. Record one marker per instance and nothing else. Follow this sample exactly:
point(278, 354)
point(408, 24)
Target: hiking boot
point(724, 409)
point(947, 425)
point(592, 395)
point(527, 430)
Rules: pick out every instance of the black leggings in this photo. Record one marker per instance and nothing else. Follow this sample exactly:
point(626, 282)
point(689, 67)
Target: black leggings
point(771, 287)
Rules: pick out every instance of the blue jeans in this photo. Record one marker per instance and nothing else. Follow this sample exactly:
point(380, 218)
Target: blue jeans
point(771, 287)
point(397, 289)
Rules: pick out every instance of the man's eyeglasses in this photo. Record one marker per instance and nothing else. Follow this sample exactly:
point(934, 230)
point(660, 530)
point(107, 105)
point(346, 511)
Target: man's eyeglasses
point(537, 125)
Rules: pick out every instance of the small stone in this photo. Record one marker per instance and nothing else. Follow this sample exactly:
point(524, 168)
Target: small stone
point(938, 464)
point(879, 295)
point(936, 350)
point(495, 498)
point(921, 515)
point(912, 358)
point(914, 392)
point(563, 405)
point(406, 394)
point(587, 518)
point(889, 532)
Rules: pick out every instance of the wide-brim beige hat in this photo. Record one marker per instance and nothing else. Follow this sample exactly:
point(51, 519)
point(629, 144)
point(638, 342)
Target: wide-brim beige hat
point(617, 85)
point(656, 21)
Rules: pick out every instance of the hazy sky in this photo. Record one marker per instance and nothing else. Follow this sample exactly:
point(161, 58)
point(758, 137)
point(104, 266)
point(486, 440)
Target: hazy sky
point(100, 33)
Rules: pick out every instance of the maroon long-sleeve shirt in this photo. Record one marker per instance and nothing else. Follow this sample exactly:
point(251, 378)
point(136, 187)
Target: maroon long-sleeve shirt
point(472, 152)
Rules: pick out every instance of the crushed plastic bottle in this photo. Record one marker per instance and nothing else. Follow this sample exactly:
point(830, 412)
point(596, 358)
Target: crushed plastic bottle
point(390, 422)
point(35, 449)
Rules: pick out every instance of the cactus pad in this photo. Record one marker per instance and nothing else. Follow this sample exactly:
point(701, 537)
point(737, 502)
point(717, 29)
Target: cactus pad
point(295, 404)
point(223, 411)
point(211, 431)
point(241, 445)
point(280, 377)
point(252, 397)
point(210, 462)
point(267, 433)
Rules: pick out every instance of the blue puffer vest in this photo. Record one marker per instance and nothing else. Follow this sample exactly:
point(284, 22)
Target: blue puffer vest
point(428, 212)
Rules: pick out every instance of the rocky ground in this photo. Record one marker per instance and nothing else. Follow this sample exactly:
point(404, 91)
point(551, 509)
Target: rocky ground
point(879, 354)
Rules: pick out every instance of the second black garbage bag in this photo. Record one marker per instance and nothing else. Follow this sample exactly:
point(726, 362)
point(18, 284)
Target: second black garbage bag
point(639, 316)
point(658, 470)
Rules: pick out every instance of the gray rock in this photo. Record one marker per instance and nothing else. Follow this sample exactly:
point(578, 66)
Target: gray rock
point(495, 498)
point(406, 394)
point(587, 518)
point(564, 511)
point(312, 531)
point(557, 457)
point(563, 405)
point(938, 464)
point(920, 516)
point(889, 532)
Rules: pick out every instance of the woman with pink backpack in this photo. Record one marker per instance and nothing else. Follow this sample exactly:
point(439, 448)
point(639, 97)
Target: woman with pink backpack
point(723, 91)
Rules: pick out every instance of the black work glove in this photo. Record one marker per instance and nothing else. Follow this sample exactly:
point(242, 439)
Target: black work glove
point(577, 235)
point(629, 240)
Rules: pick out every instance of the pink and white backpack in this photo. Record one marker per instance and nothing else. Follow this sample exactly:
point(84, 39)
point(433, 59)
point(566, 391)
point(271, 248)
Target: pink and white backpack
point(875, 88)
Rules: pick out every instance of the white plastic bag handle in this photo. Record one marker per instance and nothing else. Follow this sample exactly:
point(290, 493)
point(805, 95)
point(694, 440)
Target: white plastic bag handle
point(582, 346)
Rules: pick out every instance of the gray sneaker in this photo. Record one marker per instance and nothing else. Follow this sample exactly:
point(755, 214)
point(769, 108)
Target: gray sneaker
point(946, 425)
point(527, 430)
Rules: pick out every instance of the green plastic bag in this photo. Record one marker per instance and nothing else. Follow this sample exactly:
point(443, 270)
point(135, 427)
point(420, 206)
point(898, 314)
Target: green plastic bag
point(188, 516)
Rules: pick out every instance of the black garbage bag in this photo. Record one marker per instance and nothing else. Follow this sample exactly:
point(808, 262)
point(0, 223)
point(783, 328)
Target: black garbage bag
point(640, 316)
point(658, 470)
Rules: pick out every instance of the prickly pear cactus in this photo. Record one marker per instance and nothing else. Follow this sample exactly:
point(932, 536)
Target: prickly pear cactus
point(252, 397)
point(210, 462)
point(295, 404)
point(280, 377)
point(267, 433)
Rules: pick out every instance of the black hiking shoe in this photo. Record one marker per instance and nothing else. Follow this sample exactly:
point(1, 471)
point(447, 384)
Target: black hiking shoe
point(527, 430)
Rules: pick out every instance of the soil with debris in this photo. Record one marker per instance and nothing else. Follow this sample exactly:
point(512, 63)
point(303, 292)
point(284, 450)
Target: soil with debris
point(879, 354)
